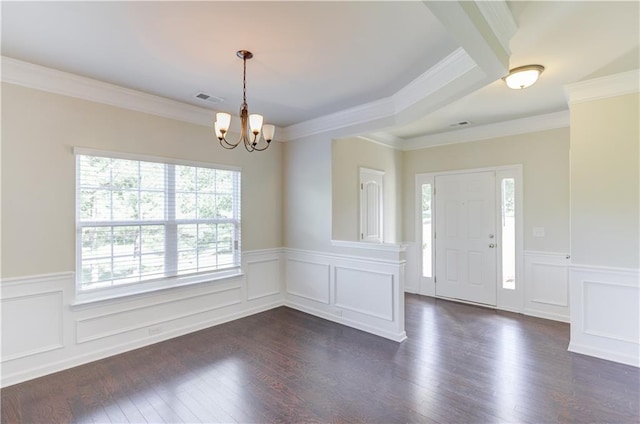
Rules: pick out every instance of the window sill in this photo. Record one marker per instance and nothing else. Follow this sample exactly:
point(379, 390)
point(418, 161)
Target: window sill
point(113, 295)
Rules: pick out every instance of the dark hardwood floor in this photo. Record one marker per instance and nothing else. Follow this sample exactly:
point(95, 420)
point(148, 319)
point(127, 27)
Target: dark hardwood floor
point(460, 364)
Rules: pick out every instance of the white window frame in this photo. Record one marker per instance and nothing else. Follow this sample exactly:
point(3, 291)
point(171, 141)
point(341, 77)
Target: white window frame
point(171, 279)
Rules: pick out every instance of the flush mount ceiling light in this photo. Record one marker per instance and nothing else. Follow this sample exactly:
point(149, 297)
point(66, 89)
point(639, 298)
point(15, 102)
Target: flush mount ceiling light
point(523, 76)
point(248, 123)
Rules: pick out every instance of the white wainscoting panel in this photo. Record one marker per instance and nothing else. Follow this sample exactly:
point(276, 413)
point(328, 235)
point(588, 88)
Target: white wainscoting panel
point(546, 285)
point(264, 274)
point(28, 333)
point(366, 292)
point(43, 332)
point(360, 292)
point(605, 313)
point(309, 280)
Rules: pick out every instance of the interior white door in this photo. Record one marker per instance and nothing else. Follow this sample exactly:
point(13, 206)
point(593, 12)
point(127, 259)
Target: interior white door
point(465, 242)
point(371, 184)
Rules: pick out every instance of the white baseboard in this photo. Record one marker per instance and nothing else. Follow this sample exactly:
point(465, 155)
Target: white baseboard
point(605, 354)
point(399, 337)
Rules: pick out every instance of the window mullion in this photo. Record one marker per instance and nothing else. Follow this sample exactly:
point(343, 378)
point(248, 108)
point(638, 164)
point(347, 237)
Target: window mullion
point(171, 228)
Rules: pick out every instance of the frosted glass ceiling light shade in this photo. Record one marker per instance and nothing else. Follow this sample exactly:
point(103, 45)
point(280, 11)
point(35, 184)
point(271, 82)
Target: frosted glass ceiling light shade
point(523, 76)
point(250, 125)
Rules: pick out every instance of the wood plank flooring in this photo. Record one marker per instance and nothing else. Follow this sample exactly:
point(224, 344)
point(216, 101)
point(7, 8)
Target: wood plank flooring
point(461, 364)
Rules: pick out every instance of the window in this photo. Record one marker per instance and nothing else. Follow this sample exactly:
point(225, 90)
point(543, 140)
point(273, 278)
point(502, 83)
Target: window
point(141, 221)
point(508, 234)
point(427, 248)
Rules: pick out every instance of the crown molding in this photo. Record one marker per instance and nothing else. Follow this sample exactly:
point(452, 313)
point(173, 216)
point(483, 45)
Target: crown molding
point(499, 17)
point(435, 78)
point(484, 132)
point(383, 139)
point(345, 118)
point(603, 87)
point(46, 79)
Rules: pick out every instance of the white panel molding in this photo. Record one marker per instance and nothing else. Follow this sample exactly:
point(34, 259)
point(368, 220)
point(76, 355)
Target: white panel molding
point(58, 341)
point(20, 374)
point(390, 292)
point(631, 292)
point(382, 314)
point(605, 312)
point(546, 283)
point(95, 331)
point(85, 322)
point(530, 124)
point(369, 259)
point(322, 277)
point(603, 87)
point(263, 265)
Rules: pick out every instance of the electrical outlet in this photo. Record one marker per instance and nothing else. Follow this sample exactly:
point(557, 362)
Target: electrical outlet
point(155, 330)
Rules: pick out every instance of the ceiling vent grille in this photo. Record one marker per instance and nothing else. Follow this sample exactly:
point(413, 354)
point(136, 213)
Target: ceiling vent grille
point(460, 124)
point(208, 98)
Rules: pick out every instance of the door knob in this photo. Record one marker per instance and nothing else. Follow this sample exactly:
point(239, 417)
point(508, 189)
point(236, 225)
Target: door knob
point(491, 236)
point(492, 245)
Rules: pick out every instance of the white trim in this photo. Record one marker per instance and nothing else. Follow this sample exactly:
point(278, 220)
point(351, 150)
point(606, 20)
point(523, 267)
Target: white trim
point(163, 320)
point(622, 272)
point(603, 87)
point(503, 301)
point(549, 254)
point(397, 337)
point(443, 73)
point(362, 259)
point(499, 17)
point(385, 247)
point(530, 124)
point(606, 354)
point(149, 158)
point(47, 79)
point(383, 139)
point(83, 358)
point(36, 279)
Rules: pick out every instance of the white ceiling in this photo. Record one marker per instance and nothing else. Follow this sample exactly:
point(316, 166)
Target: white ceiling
point(314, 59)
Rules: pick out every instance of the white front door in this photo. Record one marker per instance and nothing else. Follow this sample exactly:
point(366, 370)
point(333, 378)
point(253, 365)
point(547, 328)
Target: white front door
point(465, 237)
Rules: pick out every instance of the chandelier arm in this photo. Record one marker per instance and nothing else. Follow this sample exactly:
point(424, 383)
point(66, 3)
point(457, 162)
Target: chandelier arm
point(261, 149)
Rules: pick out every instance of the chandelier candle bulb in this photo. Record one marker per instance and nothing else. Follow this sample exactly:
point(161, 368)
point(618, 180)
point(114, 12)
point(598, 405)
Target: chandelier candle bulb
point(223, 120)
point(255, 123)
point(268, 132)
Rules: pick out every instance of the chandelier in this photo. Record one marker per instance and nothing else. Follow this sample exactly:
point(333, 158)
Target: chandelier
point(250, 125)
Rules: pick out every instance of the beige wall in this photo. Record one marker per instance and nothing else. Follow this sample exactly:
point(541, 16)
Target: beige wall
point(348, 156)
point(605, 182)
point(307, 194)
point(545, 159)
point(39, 130)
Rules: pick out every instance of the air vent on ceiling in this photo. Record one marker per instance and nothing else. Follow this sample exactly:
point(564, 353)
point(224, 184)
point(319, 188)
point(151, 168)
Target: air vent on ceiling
point(208, 98)
point(460, 124)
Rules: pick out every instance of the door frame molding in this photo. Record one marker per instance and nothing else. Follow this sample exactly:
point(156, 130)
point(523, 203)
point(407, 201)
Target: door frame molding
point(508, 300)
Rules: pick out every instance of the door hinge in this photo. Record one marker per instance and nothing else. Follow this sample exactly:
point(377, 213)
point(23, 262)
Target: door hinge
point(435, 279)
point(361, 186)
point(361, 236)
point(235, 245)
